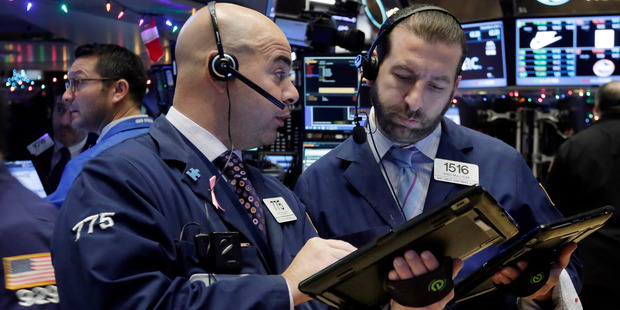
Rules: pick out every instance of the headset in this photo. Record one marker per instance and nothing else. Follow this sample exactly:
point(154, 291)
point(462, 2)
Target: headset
point(224, 66)
point(369, 64)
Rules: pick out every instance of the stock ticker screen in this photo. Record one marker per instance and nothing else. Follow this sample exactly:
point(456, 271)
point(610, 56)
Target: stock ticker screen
point(579, 51)
point(485, 62)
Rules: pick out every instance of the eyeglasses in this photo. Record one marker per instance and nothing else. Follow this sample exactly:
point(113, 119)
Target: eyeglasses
point(74, 84)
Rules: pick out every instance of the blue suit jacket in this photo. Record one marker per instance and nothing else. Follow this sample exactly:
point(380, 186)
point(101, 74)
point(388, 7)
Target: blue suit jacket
point(347, 197)
point(144, 260)
point(120, 132)
point(26, 223)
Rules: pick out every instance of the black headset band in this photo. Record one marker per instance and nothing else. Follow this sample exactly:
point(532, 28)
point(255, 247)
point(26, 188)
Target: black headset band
point(216, 30)
point(388, 26)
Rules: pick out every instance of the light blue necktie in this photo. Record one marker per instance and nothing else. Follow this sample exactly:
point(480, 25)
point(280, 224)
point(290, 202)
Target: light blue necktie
point(409, 190)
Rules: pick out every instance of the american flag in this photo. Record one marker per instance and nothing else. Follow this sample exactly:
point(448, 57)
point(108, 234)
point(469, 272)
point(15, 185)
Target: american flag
point(28, 271)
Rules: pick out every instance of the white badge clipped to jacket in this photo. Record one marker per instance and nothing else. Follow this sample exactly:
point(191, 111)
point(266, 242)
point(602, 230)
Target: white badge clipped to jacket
point(280, 209)
point(455, 172)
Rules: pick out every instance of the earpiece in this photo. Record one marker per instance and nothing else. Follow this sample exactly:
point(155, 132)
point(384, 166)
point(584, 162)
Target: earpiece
point(369, 64)
point(223, 66)
point(222, 63)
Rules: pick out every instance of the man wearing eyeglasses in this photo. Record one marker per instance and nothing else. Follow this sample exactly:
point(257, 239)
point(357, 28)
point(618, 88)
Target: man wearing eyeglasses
point(105, 88)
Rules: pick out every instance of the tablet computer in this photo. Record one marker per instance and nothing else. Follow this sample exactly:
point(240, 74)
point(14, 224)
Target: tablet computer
point(541, 242)
point(459, 227)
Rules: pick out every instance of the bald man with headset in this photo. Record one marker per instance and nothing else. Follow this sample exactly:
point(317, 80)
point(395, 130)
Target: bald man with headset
point(173, 219)
point(353, 193)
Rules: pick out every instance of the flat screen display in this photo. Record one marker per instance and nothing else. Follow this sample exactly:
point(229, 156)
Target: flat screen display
point(330, 92)
point(283, 161)
point(25, 172)
point(294, 30)
point(576, 50)
point(313, 150)
point(267, 7)
point(453, 114)
point(485, 62)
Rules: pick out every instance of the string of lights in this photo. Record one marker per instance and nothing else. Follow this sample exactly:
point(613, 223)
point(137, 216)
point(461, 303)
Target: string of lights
point(122, 11)
point(16, 80)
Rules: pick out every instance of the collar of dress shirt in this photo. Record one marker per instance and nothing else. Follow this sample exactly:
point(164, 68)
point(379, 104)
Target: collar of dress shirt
point(74, 150)
point(428, 146)
point(201, 138)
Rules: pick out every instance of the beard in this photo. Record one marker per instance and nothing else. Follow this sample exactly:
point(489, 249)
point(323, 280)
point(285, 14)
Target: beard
point(397, 132)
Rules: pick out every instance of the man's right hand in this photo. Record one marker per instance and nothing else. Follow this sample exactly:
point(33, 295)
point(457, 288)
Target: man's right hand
point(315, 255)
point(412, 265)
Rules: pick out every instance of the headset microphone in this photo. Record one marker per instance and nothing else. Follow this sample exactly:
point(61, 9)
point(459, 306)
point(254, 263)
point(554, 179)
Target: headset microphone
point(359, 134)
point(223, 66)
point(257, 88)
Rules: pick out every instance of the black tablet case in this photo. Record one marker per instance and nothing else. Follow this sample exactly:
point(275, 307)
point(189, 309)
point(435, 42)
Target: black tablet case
point(459, 227)
point(543, 241)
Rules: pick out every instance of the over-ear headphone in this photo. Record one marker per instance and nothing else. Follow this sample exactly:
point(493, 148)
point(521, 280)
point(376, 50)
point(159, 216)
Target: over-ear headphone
point(223, 66)
point(220, 64)
point(370, 64)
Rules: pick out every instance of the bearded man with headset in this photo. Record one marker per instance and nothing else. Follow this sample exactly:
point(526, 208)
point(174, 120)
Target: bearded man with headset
point(413, 67)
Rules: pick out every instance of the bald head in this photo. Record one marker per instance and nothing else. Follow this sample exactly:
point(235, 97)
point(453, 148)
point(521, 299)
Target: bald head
point(608, 98)
point(264, 57)
point(241, 30)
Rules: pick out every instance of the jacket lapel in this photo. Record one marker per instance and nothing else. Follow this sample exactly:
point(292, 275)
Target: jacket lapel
point(274, 229)
point(363, 167)
point(452, 146)
point(178, 152)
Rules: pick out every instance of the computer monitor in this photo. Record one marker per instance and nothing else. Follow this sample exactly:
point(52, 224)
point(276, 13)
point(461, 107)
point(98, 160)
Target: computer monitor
point(283, 161)
point(313, 150)
point(573, 51)
point(294, 29)
point(159, 99)
point(25, 172)
point(453, 113)
point(485, 62)
point(330, 92)
point(267, 7)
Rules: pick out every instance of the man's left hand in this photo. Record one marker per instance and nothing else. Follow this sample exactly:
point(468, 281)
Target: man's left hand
point(508, 274)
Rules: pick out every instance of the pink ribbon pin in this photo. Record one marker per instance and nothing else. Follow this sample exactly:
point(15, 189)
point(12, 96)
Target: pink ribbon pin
point(213, 199)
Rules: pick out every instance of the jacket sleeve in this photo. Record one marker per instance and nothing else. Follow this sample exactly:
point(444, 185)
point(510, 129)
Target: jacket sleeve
point(114, 248)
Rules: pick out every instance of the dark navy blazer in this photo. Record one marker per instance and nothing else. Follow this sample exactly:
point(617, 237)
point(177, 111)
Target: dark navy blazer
point(348, 198)
point(151, 187)
point(26, 223)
